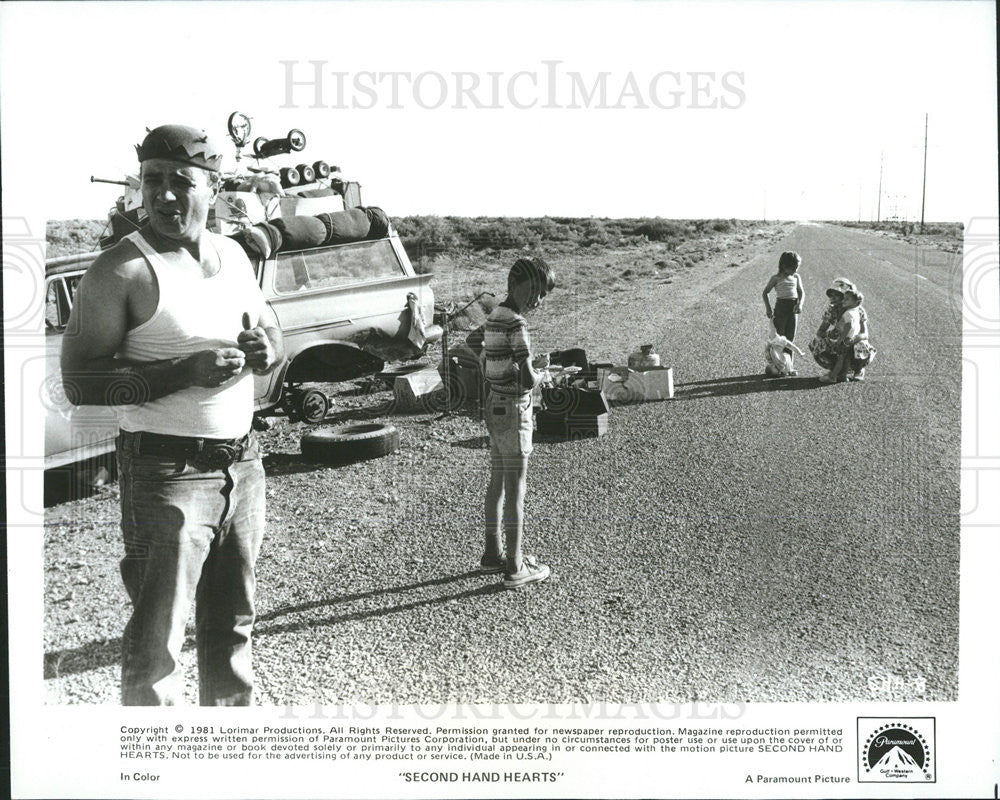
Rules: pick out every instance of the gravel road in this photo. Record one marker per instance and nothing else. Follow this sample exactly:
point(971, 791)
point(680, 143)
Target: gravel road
point(749, 541)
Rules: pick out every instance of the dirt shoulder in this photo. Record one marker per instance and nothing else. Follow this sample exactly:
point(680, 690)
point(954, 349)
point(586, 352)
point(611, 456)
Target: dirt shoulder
point(946, 236)
point(363, 529)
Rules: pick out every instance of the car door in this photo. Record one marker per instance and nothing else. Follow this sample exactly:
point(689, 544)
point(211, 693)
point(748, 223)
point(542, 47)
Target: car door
point(72, 433)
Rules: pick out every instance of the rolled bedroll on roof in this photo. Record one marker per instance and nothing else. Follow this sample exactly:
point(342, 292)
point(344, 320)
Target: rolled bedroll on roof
point(302, 232)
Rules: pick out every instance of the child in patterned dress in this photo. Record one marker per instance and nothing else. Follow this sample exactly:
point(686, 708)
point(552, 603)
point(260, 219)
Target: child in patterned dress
point(823, 345)
point(854, 351)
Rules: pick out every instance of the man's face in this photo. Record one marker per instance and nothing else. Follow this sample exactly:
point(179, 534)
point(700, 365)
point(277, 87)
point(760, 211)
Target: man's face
point(177, 198)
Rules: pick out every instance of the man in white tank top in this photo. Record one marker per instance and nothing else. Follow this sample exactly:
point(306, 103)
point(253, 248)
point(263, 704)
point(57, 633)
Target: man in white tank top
point(169, 326)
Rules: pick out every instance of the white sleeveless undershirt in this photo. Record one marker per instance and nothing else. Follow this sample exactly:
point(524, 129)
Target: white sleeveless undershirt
point(195, 313)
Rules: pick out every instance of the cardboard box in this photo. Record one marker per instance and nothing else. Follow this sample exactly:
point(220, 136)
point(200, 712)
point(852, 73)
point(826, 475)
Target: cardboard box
point(572, 413)
point(639, 386)
point(549, 424)
point(413, 390)
point(570, 401)
point(568, 428)
point(585, 427)
point(655, 383)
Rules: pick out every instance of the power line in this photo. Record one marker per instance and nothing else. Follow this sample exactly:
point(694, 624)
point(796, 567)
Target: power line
point(881, 161)
point(923, 195)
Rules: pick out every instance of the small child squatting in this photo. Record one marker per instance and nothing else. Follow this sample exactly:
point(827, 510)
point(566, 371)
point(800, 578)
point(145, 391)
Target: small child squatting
point(851, 335)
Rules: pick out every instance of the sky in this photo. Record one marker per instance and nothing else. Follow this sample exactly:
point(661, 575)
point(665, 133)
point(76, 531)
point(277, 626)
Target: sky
point(774, 109)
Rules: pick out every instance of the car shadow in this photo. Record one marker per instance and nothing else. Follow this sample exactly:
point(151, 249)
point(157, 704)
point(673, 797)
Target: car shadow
point(277, 465)
point(744, 384)
point(107, 652)
point(79, 481)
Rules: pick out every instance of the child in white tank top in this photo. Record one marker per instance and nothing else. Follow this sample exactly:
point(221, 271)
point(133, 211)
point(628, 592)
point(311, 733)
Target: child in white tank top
point(789, 294)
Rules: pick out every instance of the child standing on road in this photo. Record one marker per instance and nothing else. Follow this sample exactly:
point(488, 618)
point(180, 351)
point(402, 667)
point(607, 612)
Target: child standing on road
point(511, 374)
point(789, 295)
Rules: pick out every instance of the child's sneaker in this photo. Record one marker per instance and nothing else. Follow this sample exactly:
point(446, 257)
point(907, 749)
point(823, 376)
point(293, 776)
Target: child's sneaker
point(859, 375)
point(531, 572)
point(492, 565)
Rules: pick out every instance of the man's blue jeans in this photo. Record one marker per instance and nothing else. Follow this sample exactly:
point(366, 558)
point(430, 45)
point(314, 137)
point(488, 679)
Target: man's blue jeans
point(191, 535)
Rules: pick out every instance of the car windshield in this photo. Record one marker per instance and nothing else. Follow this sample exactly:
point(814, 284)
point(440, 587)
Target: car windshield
point(336, 266)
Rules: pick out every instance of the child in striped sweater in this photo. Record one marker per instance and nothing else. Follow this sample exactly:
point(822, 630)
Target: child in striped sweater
point(511, 374)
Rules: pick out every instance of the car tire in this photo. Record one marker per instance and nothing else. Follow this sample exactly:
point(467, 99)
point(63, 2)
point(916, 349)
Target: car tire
point(312, 406)
point(296, 140)
point(322, 169)
point(306, 173)
point(350, 443)
point(289, 177)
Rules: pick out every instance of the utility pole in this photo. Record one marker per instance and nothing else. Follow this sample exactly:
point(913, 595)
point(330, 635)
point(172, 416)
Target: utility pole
point(923, 196)
point(881, 161)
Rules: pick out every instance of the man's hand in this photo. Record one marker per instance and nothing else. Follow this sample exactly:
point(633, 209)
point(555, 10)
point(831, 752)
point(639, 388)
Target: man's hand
point(211, 368)
point(256, 345)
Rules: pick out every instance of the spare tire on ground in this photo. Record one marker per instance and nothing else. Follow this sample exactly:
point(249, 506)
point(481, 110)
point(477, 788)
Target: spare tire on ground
point(350, 443)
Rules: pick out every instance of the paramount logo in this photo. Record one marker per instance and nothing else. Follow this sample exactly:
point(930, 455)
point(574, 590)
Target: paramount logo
point(896, 750)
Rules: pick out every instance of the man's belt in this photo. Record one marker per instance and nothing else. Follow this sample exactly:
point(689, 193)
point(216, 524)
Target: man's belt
point(205, 453)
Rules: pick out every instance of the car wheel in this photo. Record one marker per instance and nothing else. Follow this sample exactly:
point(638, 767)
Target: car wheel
point(322, 169)
point(350, 443)
point(289, 177)
point(239, 128)
point(312, 406)
point(307, 173)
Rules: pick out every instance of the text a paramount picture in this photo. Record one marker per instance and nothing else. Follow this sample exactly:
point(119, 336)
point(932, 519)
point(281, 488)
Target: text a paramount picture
point(418, 416)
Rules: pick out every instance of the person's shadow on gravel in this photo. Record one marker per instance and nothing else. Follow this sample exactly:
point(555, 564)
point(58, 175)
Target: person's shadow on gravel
point(107, 652)
point(744, 384)
point(370, 613)
point(473, 443)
